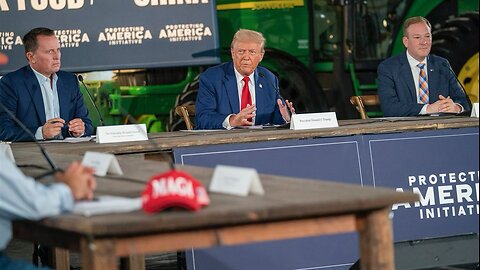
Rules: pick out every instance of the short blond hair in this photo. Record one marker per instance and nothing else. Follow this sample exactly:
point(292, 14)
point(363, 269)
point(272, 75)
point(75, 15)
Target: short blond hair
point(414, 20)
point(245, 35)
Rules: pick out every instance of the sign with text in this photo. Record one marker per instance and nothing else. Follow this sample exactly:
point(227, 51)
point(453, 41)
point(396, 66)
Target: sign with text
point(122, 133)
point(313, 120)
point(102, 163)
point(237, 181)
point(106, 35)
point(474, 110)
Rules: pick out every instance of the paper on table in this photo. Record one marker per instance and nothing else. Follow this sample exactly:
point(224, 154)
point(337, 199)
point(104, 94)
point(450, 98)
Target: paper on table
point(107, 204)
point(71, 140)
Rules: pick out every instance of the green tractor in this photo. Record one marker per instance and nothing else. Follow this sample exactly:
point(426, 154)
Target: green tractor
point(323, 51)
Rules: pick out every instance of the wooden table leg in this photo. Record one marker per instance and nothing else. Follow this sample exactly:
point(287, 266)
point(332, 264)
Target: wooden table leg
point(376, 240)
point(133, 262)
point(61, 259)
point(98, 255)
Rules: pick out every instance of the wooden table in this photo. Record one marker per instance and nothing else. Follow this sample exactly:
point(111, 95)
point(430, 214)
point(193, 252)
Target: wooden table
point(166, 141)
point(291, 208)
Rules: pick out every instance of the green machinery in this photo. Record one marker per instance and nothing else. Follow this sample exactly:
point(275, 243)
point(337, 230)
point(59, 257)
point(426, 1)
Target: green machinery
point(323, 52)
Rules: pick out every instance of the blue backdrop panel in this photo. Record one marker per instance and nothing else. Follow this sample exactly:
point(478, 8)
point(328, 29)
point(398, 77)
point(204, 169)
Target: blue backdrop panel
point(326, 158)
point(331, 252)
point(442, 166)
point(105, 35)
point(449, 205)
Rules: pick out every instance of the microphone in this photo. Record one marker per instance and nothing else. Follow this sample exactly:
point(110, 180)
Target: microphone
point(80, 78)
point(277, 90)
point(445, 64)
point(42, 149)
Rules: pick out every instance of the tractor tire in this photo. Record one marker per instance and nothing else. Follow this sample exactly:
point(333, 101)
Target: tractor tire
point(457, 41)
point(297, 83)
point(188, 96)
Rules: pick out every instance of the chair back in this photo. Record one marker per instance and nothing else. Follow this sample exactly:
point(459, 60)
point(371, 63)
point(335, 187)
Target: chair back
point(186, 111)
point(366, 100)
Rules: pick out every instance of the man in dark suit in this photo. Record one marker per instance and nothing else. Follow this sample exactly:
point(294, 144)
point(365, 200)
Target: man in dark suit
point(416, 83)
point(46, 100)
point(239, 93)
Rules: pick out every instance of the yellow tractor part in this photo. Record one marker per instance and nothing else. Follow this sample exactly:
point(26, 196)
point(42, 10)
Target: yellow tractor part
point(468, 76)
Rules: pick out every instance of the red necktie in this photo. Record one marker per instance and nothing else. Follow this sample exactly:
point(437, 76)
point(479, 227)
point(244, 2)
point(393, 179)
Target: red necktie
point(246, 98)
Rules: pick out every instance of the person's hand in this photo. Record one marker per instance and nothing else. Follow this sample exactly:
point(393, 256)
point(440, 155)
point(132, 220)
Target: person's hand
point(284, 110)
point(76, 127)
point(444, 104)
point(79, 179)
point(241, 118)
point(52, 127)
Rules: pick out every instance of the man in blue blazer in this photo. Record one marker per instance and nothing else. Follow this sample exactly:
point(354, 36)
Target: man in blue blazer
point(46, 100)
point(416, 83)
point(239, 92)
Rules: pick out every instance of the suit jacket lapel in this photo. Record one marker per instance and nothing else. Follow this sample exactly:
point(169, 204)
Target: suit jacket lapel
point(260, 85)
point(433, 79)
point(231, 88)
point(406, 74)
point(35, 92)
point(63, 99)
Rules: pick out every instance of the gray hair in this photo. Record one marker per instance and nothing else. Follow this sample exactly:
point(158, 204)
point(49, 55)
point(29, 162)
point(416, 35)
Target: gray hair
point(245, 35)
point(414, 20)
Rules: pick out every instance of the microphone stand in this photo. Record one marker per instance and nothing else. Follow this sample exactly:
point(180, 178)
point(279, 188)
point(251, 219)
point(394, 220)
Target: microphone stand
point(80, 78)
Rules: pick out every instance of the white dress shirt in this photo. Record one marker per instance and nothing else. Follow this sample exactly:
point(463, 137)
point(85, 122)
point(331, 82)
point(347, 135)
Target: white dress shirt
point(50, 99)
point(251, 86)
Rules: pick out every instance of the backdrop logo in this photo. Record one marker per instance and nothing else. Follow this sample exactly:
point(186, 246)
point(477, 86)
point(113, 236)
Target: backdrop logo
point(444, 195)
point(185, 32)
point(8, 40)
point(129, 35)
point(144, 3)
point(70, 38)
point(40, 5)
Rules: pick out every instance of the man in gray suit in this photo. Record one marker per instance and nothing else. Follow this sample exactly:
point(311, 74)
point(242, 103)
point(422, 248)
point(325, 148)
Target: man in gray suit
point(415, 82)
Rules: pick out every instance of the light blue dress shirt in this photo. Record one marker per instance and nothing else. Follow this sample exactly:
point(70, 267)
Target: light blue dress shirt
point(50, 99)
point(21, 197)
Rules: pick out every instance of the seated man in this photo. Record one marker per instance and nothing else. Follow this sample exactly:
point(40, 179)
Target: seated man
point(46, 100)
point(240, 93)
point(24, 198)
point(416, 83)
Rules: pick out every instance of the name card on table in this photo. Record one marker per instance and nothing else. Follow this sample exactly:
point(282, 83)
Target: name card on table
point(236, 181)
point(475, 111)
point(313, 120)
point(122, 133)
point(102, 163)
point(6, 150)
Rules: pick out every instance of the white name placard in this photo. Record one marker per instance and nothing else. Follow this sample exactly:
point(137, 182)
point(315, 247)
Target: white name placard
point(122, 133)
point(474, 110)
point(237, 181)
point(313, 120)
point(6, 150)
point(102, 163)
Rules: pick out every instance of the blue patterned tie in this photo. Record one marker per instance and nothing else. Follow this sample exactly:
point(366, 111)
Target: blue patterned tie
point(422, 84)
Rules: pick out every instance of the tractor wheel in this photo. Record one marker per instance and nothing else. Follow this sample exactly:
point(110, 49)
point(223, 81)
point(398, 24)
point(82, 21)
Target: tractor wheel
point(457, 41)
point(188, 96)
point(297, 83)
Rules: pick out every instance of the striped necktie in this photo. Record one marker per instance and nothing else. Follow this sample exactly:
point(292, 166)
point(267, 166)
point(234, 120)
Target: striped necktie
point(422, 84)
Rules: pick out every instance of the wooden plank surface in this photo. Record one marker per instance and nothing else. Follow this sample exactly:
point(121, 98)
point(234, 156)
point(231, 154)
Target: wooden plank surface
point(286, 199)
point(167, 140)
